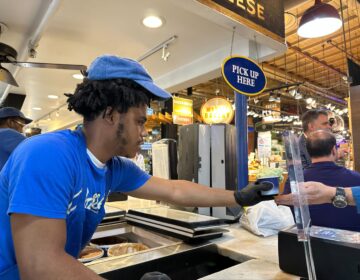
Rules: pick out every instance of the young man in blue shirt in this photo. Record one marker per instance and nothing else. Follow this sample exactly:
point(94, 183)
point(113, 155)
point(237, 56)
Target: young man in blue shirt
point(54, 186)
point(321, 146)
point(12, 122)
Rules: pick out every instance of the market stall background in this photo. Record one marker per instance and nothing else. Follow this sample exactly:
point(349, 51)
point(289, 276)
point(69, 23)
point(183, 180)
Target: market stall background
point(310, 73)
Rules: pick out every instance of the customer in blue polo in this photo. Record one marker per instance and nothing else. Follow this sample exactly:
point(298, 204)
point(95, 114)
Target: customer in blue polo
point(12, 122)
point(321, 146)
point(54, 186)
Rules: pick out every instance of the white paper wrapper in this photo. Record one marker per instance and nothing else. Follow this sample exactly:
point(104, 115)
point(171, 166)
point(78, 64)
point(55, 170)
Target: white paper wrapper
point(266, 218)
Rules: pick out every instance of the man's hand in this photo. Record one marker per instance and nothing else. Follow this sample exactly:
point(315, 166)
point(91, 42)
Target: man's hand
point(251, 194)
point(315, 193)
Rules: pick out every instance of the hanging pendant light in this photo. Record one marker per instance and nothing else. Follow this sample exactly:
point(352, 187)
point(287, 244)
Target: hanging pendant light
point(320, 20)
point(6, 77)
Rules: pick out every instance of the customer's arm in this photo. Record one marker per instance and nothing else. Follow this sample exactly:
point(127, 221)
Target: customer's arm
point(318, 193)
point(40, 250)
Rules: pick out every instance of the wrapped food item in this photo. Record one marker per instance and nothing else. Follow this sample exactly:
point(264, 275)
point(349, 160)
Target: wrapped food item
point(90, 253)
point(126, 248)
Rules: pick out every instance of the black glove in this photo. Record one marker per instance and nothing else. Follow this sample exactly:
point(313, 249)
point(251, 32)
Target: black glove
point(155, 275)
point(251, 194)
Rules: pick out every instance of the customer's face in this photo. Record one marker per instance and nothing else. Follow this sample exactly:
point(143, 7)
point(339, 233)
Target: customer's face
point(322, 122)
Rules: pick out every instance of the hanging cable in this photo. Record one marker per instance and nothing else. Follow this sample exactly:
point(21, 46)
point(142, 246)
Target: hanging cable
point(256, 48)
point(285, 69)
point(232, 40)
point(348, 20)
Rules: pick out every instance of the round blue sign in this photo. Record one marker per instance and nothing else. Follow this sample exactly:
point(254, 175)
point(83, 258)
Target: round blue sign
point(243, 75)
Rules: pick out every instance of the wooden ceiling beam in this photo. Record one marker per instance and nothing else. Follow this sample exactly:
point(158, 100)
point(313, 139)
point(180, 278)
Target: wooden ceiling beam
point(310, 85)
point(314, 59)
point(327, 52)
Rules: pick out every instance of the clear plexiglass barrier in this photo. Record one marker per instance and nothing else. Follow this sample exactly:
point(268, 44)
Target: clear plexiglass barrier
point(301, 207)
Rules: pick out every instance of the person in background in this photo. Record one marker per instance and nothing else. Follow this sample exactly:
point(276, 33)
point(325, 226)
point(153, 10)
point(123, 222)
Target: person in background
point(321, 146)
point(12, 122)
point(312, 120)
point(54, 186)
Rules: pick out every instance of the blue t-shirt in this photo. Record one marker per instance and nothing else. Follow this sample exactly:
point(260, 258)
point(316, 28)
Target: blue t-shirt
point(52, 176)
point(9, 139)
point(327, 215)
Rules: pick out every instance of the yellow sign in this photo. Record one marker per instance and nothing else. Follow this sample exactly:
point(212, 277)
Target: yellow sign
point(217, 110)
point(182, 111)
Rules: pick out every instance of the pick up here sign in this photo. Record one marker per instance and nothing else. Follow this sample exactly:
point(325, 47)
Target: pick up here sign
point(243, 75)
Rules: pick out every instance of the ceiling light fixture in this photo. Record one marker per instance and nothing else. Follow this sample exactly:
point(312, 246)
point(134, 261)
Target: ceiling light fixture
point(6, 77)
point(278, 98)
point(160, 46)
point(152, 21)
point(51, 96)
point(293, 92)
point(319, 20)
point(298, 96)
point(37, 108)
point(165, 54)
point(271, 97)
point(78, 76)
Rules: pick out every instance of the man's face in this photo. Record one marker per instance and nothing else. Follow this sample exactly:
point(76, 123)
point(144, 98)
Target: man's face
point(322, 122)
point(16, 123)
point(131, 131)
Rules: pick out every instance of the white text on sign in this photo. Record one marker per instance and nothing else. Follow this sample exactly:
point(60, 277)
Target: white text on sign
point(245, 76)
point(251, 7)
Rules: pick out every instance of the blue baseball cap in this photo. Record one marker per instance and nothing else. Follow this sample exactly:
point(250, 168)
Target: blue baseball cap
point(11, 112)
point(108, 67)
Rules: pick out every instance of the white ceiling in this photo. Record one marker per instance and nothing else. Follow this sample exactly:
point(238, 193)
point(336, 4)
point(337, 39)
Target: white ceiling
point(80, 30)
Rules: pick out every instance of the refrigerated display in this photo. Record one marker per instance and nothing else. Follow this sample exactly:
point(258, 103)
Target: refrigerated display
point(207, 155)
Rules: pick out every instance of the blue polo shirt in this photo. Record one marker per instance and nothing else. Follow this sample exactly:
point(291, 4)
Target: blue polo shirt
point(52, 176)
point(9, 139)
point(327, 215)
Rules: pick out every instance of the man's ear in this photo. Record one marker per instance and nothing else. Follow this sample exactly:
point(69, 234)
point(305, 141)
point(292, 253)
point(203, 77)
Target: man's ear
point(310, 126)
point(334, 151)
point(109, 115)
point(10, 124)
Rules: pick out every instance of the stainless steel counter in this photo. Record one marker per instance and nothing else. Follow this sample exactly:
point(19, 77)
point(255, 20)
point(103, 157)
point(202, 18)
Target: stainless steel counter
point(258, 256)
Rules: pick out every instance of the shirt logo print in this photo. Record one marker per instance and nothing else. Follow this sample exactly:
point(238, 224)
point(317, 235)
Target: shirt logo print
point(72, 208)
point(93, 203)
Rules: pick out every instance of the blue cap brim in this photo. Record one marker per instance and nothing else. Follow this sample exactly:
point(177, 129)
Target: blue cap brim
point(155, 90)
point(27, 120)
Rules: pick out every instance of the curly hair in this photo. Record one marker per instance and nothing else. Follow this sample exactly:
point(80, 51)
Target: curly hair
point(91, 98)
